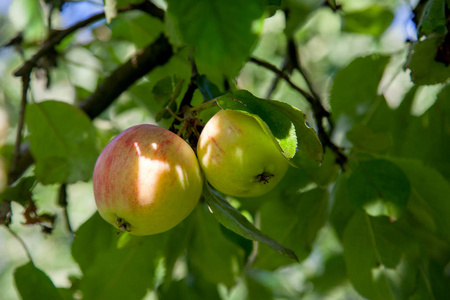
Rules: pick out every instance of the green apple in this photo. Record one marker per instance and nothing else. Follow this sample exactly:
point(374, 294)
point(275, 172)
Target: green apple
point(146, 180)
point(238, 157)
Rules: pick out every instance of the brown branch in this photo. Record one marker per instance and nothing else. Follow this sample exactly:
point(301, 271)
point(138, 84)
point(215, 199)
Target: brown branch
point(277, 78)
point(156, 54)
point(20, 123)
point(316, 105)
point(54, 39)
point(283, 75)
point(62, 201)
point(56, 36)
point(294, 58)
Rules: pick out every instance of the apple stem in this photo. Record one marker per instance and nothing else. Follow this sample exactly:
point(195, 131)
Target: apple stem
point(263, 177)
point(123, 225)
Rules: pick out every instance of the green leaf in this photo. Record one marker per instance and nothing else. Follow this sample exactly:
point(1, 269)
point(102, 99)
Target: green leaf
point(96, 234)
point(429, 203)
point(294, 222)
point(380, 258)
point(333, 275)
point(355, 87)
point(20, 192)
point(208, 89)
point(380, 188)
point(373, 20)
point(232, 219)
point(363, 138)
point(220, 32)
point(32, 283)
point(110, 271)
point(69, 151)
point(137, 27)
point(439, 280)
point(274, 2)
point(211, 253)
point(307, 139)
point(432, 18)
point(167, 89)
point(285, 123)
point(425, 69)
point(193, 287)
point(257, 290)
point(427, 137)
point(28, 17)
point(298, 14)
point(342, 209)
point(178, 241)
point(179, 290)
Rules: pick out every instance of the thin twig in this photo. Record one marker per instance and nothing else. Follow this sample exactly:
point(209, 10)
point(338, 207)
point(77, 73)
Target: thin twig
point(57, 36)
point(201, 106)
point(319, 111)
point(62, 201)
point(21, 241)
point(20, 123)
point(174, 115)
point(277, 78)
point(296, 64)
point(283, 75)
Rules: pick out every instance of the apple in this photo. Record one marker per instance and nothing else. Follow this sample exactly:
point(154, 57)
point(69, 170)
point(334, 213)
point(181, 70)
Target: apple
point(146, 180)
point(238, 157)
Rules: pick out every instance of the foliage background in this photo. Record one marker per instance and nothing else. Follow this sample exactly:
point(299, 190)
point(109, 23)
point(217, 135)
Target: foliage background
point(379, 230)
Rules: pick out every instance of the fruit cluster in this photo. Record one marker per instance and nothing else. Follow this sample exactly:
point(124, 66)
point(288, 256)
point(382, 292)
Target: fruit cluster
point(148, 179)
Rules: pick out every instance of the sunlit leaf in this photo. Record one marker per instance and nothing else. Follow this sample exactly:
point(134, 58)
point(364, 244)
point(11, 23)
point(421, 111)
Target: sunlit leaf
point(137, 27)
point(205, 24)
point(69, 151)
point(372, 20)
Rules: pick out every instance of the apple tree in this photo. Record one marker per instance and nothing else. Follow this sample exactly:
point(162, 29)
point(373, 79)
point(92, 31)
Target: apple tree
point(351, 98)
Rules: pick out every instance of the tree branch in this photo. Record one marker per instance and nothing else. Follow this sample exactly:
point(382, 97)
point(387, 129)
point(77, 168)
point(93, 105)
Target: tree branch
point(56, 36)
point(20, 122)
point(62, 201)
point(286, 77)
point(156, 54)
